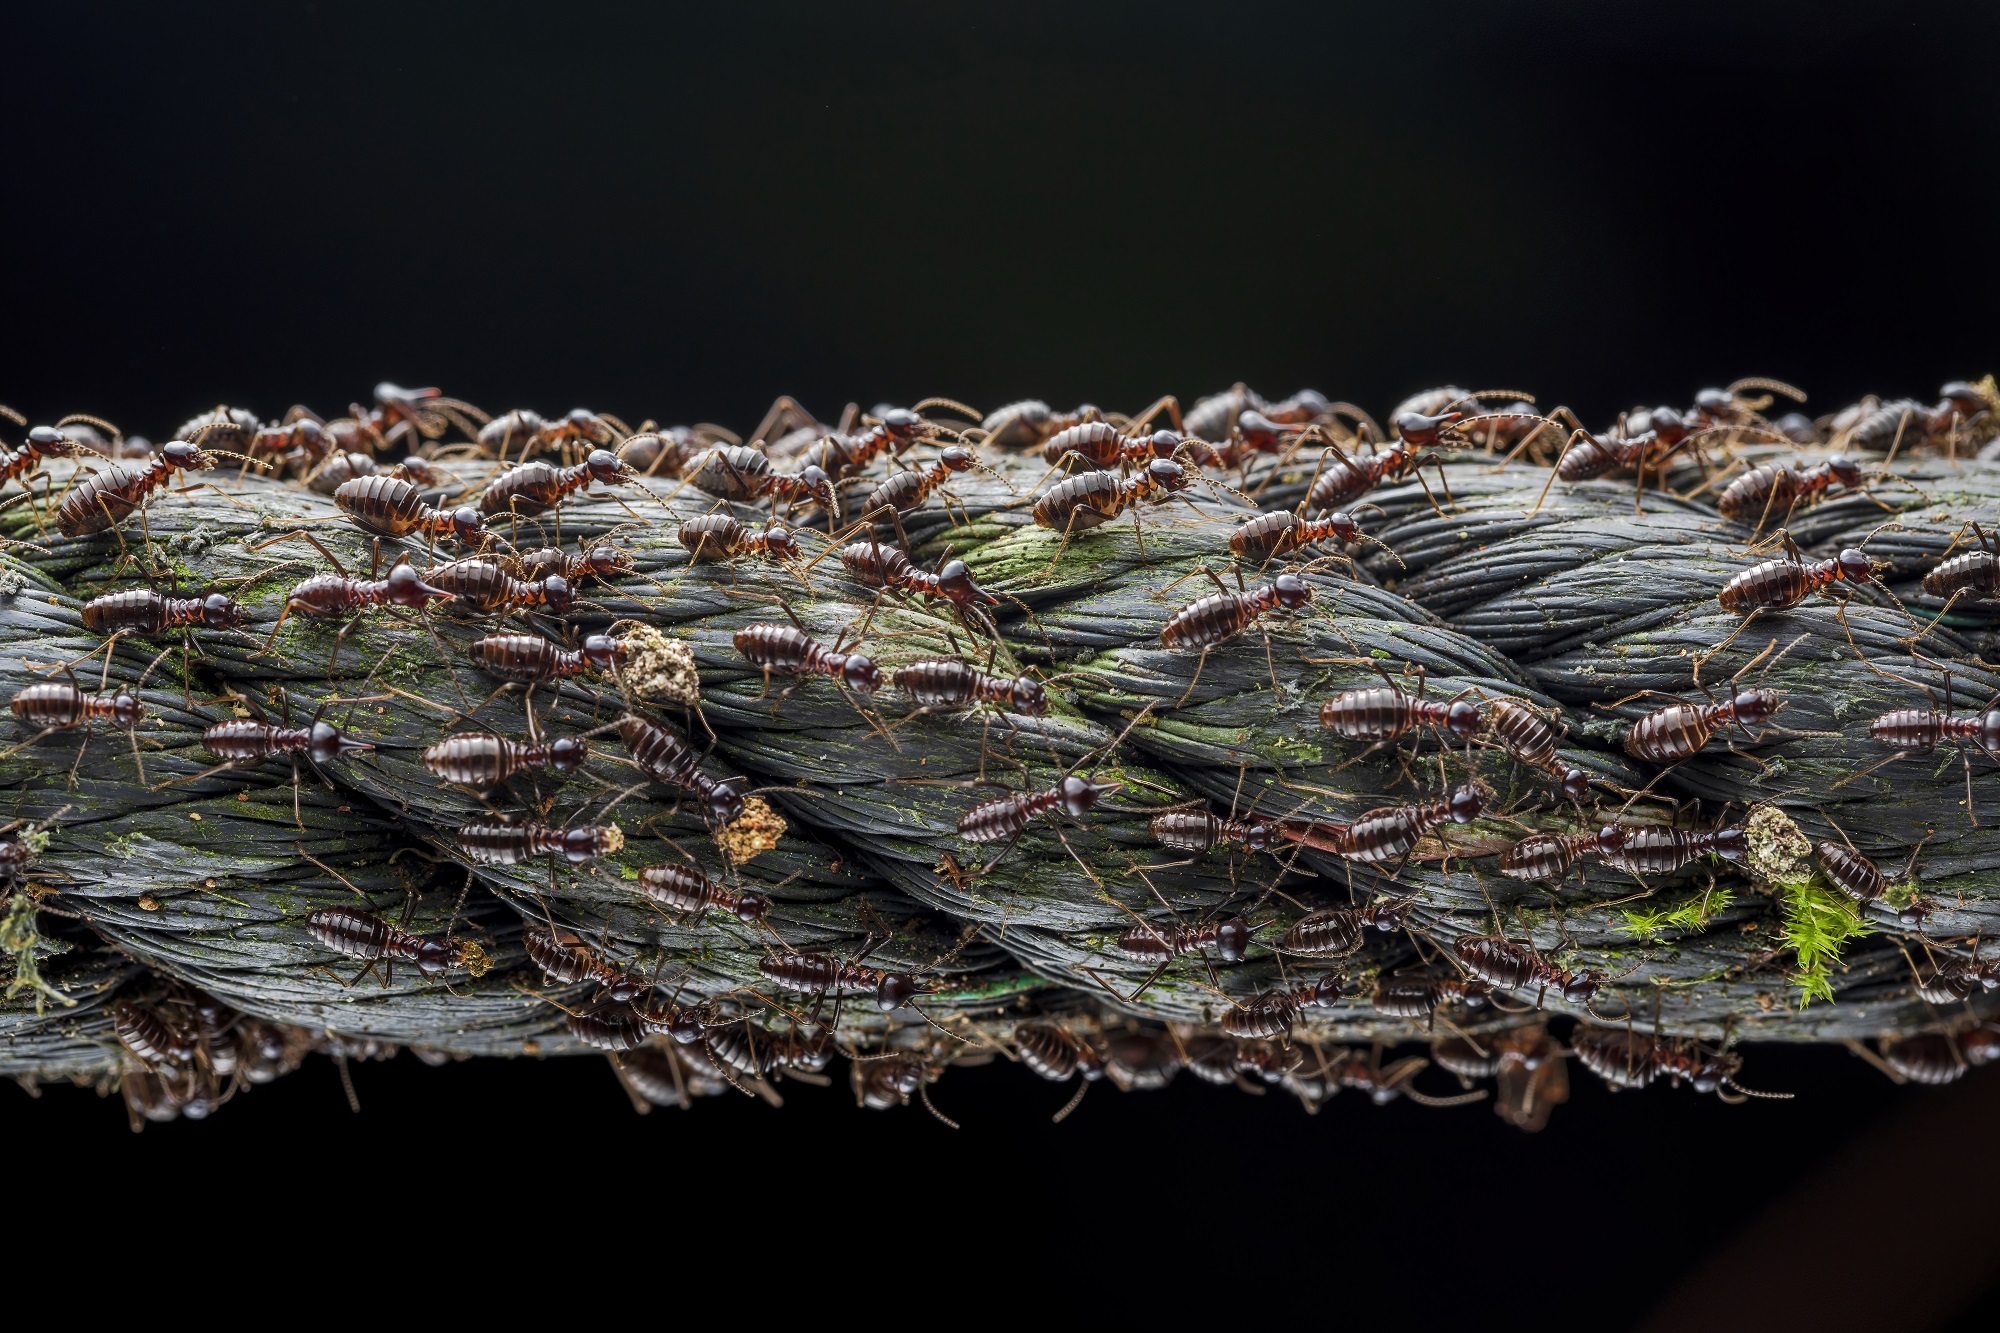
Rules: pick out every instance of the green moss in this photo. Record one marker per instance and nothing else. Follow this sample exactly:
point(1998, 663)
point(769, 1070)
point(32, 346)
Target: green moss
point(1690, 916)
point(1817, 923)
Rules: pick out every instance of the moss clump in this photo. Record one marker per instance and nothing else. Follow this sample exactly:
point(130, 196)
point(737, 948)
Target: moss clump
point(1691, 916)
point(1817, 923)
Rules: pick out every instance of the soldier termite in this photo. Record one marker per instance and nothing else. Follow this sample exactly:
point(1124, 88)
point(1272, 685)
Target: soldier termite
point(668, 758)
point(1628, 1059)
point(483, 761)
point(1337, 931)
point(1937, 1058)
point(1422, 997)
point(510, 844)
point(1272, 1013)
point(1057, 1054)
point(103, 500)
point(687, 888)
point(365, 935)
point(1527, 1064)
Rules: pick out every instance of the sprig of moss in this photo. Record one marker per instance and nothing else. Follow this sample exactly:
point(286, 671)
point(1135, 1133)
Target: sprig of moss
point(18, 939)
point(1691, 916)
point(1817, 924)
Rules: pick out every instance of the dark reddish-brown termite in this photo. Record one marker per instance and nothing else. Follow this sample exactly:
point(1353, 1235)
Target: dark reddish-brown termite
point(481, 760)
point(1272, 1013)
point(685, 888)
point(1501, 962)
point(1337, 930)
point(1905, 422)
point(1268, 536)
point(732, 472)
point(1862, 880)
point(537, 487)
point(523, 432)
point(568, 960)
point(1654, 849)
point(43, 442)
point(1392, 832)
point(1779, 488)
point(365, 935)
point(1200, 831)
point(1974, 573)
point(947, 682)
point(483, 586)
point(668, 758)
point(1917, 730)
point(153, 1036)
point(906, 491)
point(760, 1052)
point(246, 741)
point(103, 500)
point(599, 560)
point(528, 658)
point(60, 705)
point(1527, 734)
point(511, 844)
point(1031, 422)
point(336, 594)
point(339, 469)
point(1384, 713)
point(1957, 978)
point(1679, 731)
point(1343, 479)
point(391, 507)
point(1230, 938)
point(1006, 816)
point(1101, 446)
point(401, 416)
point(1628, 1059)
point(1095, 498)
point(147, 613)
point(1420, 997)
point(1545, 855)
point(720, 537)
point(1777, 585)
point(790, 651)
point(1221, 616)
point(610, 1026)
point(1057, 1054)
point(888, 567)
point(1937, 1058)
point(816, 974)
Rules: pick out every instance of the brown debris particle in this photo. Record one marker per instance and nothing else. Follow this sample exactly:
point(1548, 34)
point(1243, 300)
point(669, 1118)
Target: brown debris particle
point(756, 830)
point(148, 903)
point(659, 669)
point(1778, 852)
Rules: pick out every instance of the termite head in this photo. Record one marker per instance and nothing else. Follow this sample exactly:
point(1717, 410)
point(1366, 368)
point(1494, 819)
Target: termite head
point(466, 523)
point(1418, 430)
point(860, 673)
point(816, 483)
point(1291, 591)
point(604, 560)
point(1580, 987)
point(1731, 843)
point(752, 906)
point(1715, 1071)
point(955, 582)
point(1912, 917)
point(1754, 706)
point(556, 594)
point(1989, 730)
point(181, 455)
point(1079, 793)
point(1843, 470)
point(780, 543)
point(688, 1026)
point(406, 587)
point(1167, 474)
point(956, 458)
point(1164, 443)
point(1715, 402)
point(48, 442)
point(1854, 565)
point(898, 989)
point(585, 424)
point(1232, 939)
point(604, 466)
point(1476, 992)
point(1963, 396)
point(1610, 840)
point(567, 753)
point(1327, 991)
point(585, 843)
point(604, 652)
point(1465, 805)
point(326, 744)
point(1669, 427)
point(1027, 694)
point(1342, 525)
point(1576, 784)
point(435, 956)
point(725, 805)
point(126, 710)
point(219, 612)
point(1461, 719)
point(901, 424)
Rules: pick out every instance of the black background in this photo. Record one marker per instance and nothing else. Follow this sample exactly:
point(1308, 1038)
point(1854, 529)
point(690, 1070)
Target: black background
point(680, 215)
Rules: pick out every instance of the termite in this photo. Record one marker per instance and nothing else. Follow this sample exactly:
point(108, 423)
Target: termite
point(1937, 1058)
point(816, 974)
point(1654, 849)
point(533, 433)
point(401, 414)
point(1501, 962)
point(1392, 832)
point(511, 844)
point(1095, 498)
point(1272, 1013)
point(721, 537)
point(1229, 937)
point(1383, 713)
point(1057, 1054)
point(731, 472)
point(906, 491)
point(886, 566)
point(1006, 816)
point(484, 761)
point(897, 429)
point(790, 651)
point(1780, 488)
point(483, 586)
point(1031, 422)
point(365, 935)
point(103, 500)
point(1420, 997)
point(1339, 480)
point(537, 487)
point(43, 442)
point(1679, 731)
point(527, 659)
point(1906, 421)
point(391, 507)
point(339, 469)
point(148, 614)
point(1219, 617)
point(668, 758)
point(1266, 537)
point(947, 682)
point(1546, 855)
point(687, 889)
point(1975, 573)
point(1337, 931)
point(1627, 1059)
point(1778, 585)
